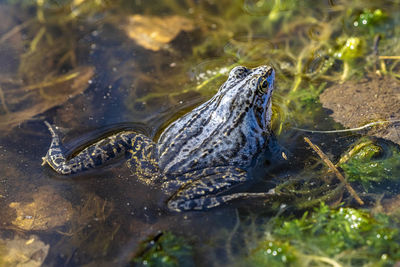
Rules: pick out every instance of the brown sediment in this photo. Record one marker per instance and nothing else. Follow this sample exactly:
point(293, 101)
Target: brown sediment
point(371, 101)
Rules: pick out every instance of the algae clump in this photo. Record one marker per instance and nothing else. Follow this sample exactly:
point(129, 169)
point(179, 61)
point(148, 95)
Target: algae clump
point(338, 237)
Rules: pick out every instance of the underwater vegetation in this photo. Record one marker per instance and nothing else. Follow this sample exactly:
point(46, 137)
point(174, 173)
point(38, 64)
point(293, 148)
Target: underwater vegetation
point(373, 166)
point(329, 237)
point(164, 249)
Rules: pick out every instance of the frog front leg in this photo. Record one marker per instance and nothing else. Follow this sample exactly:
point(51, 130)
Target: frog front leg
point(206, 188)
point(93, 155)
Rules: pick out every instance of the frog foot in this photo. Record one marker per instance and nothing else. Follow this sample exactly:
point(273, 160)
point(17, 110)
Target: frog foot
point(204, 189)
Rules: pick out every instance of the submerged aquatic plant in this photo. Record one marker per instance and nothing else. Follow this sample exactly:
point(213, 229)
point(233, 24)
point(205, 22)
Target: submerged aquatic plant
point(349, 50)
point(164, 249)
point(374, 166)
point(370, 20)
point(345, 236)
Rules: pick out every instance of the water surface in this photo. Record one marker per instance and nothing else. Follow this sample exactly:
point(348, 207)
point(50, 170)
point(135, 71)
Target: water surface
point(86, 66)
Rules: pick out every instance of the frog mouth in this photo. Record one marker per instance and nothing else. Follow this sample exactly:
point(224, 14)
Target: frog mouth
point(262, 111)
point(263, 108)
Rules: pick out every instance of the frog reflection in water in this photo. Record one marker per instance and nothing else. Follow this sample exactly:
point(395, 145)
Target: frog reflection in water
point(200, 156)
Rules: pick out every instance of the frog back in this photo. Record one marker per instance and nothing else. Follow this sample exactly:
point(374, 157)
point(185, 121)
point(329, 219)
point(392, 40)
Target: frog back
point(209, 136)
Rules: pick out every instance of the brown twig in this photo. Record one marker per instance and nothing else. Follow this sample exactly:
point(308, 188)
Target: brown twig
point(14, 30)
point(335, 170)
point(3, 101)
point(389, 57)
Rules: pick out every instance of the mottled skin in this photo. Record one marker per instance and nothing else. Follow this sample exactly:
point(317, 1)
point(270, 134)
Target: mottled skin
point(200, 156)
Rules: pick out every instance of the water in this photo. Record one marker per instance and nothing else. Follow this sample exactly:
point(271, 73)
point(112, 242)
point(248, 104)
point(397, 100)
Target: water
point(84, 66)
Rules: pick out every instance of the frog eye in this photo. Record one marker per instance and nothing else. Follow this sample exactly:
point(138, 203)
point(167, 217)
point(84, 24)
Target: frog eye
point(263, 84)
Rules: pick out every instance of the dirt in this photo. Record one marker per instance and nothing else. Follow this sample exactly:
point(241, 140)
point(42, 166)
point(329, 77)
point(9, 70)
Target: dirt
point(47, 210)
point(357, 103)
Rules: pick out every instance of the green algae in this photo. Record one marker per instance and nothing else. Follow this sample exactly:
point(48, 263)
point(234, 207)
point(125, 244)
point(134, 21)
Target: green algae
point(372, 165)
point(337, 237)
point(164, 249)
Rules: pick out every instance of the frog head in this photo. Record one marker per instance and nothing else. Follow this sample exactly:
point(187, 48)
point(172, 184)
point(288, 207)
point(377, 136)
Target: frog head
point(248, 93)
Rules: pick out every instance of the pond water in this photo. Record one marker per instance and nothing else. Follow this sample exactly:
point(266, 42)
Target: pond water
point(97, 67)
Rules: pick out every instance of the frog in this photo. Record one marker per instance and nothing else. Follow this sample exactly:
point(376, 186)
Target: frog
point(199, 158)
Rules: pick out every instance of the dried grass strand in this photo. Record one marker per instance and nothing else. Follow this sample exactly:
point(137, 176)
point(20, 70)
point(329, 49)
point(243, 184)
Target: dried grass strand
point(335, 170)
